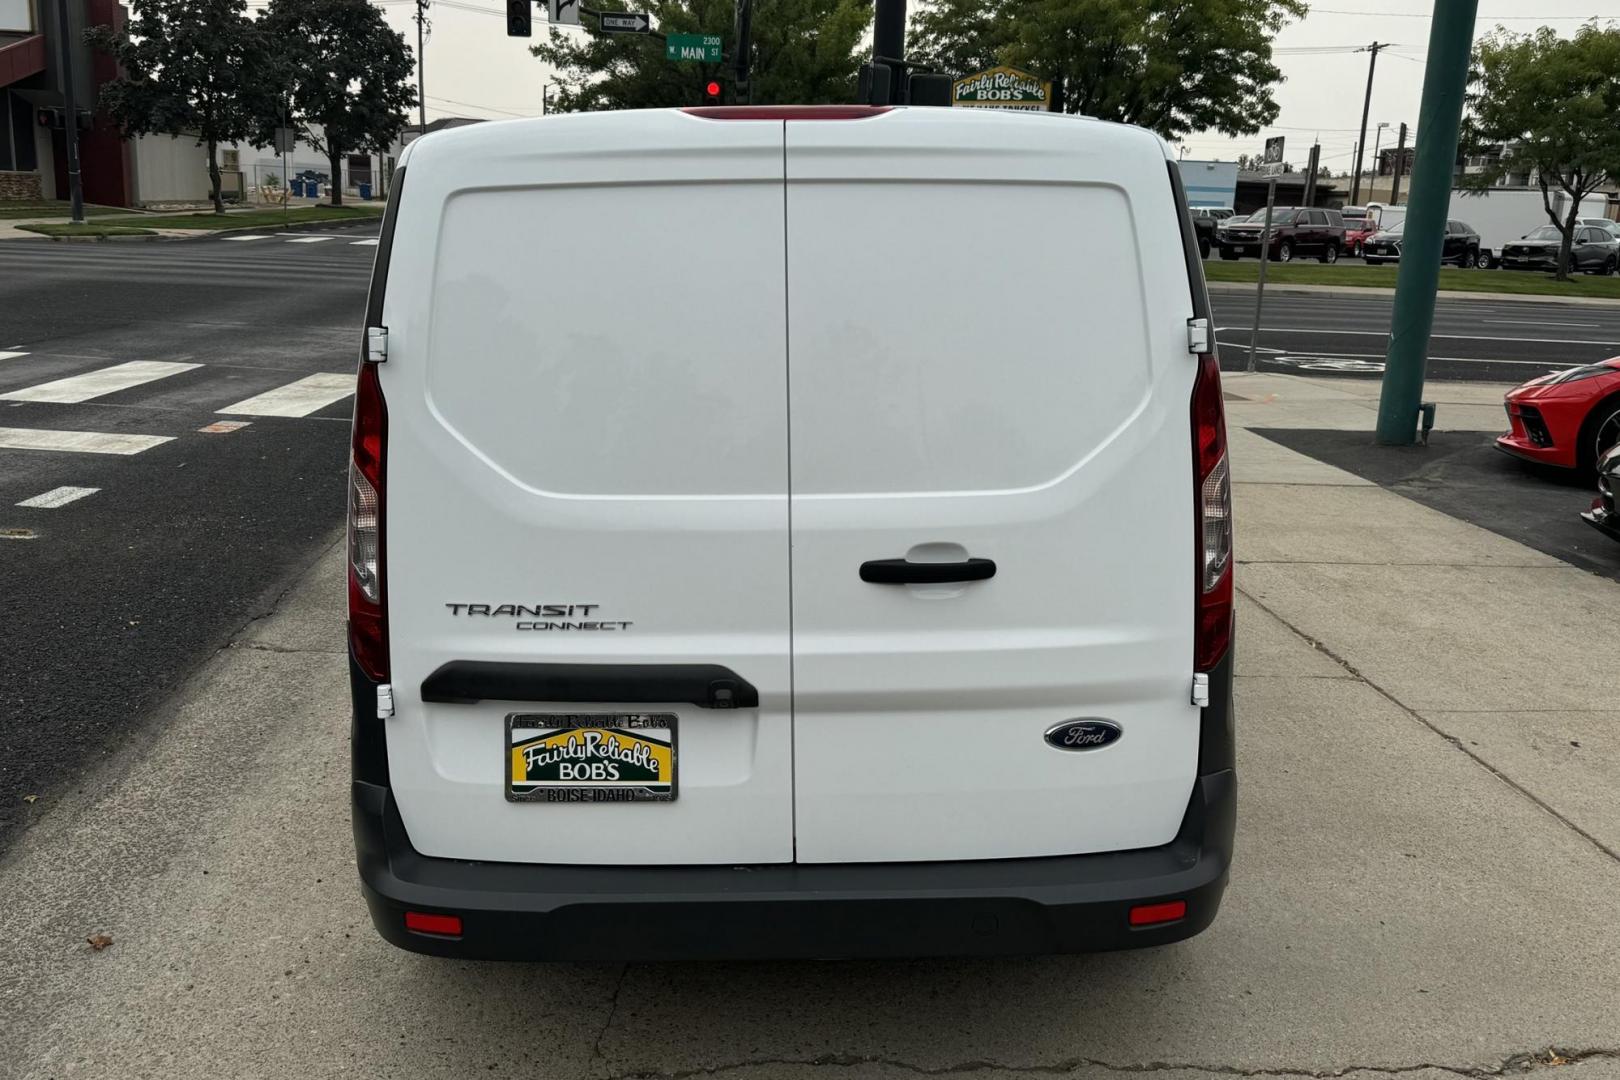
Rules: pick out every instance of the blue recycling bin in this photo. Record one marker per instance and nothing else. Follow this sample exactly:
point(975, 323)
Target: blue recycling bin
point(297, 187)
point(365, 189)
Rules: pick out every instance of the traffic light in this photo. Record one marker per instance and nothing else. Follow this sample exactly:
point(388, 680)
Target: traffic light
point(519, 19)
point(711, 92)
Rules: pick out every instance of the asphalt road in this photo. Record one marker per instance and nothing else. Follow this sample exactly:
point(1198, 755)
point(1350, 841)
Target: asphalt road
point(1473, 340)
point(115, 593)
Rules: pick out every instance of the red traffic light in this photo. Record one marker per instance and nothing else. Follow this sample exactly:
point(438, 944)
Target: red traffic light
point(713, 89)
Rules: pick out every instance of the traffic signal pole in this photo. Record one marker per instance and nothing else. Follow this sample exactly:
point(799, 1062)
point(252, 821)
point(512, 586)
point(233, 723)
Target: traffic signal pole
point(1451, 36)
point(70, 107)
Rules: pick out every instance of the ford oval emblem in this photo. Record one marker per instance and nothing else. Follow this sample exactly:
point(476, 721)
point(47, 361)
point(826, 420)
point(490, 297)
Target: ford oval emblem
point(1086, 733)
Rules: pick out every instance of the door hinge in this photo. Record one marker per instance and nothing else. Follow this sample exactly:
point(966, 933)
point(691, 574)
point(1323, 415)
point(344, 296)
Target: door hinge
point(1200, 694)
point(1199, 339)
point(377, 344)
point(385, 700)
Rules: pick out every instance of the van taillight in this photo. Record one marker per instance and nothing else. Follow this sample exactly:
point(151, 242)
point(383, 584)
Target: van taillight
point(1212, 490)
point(368, 602)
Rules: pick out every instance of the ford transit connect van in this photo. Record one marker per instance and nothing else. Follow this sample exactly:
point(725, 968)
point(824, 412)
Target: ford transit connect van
point(790, 532)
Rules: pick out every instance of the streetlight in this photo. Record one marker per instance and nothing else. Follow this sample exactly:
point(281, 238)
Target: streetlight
point(1377, 138)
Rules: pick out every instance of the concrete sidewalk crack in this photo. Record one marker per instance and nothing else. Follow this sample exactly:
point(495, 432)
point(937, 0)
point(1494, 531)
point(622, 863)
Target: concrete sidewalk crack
point(1457, 743)
point(1513, 1065)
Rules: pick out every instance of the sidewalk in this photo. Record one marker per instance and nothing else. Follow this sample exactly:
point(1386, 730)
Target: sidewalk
point(1426, 877)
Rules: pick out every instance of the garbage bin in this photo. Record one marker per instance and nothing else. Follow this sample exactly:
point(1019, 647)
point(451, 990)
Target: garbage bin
point(365, 189)
point(296, 186)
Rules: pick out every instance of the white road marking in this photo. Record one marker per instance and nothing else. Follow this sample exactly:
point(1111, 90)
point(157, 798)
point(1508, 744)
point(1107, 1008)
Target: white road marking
point(78, 442)
point(253, 236)
point(223, 427)
point(297, 398)
point(17, 534)
point(58, 497)
point(7, 354)
point(94, 384)
point(364, 243)
point(308, 239)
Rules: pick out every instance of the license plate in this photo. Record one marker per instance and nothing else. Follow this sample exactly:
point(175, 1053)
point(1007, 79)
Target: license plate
point(590, 757)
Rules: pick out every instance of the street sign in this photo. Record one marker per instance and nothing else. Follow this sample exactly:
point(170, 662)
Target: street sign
point(704, 48)
point(1002, 88)
point(625, 22)
point(563, 12)
point(286, 140)
point(1274, 151)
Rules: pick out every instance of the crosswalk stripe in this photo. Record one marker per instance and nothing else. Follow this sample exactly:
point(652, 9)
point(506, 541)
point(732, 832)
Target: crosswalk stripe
point(309, 239)
point(78, 442)
point(94, 384)
point(7, 354)
point(58, 497)
point(297, 398)
point(364, 243)
point(253, 236)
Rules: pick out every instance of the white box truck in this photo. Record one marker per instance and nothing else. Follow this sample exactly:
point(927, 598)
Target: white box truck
point(1502, 215)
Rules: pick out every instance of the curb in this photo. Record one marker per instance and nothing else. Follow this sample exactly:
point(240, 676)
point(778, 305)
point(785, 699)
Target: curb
point(307, 226)
point(1353, 292)
point(100, 239)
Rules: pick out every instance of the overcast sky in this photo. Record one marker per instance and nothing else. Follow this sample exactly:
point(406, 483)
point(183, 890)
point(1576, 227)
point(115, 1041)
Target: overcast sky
point(474, 69)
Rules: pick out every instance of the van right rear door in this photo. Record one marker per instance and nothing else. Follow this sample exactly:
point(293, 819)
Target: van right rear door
point(988, 360)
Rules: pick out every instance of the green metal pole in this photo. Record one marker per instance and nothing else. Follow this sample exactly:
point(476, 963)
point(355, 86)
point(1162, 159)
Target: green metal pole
point(1451, 36)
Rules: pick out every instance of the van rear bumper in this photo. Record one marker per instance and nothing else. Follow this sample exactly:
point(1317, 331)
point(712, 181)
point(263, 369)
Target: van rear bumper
point(1078, 903)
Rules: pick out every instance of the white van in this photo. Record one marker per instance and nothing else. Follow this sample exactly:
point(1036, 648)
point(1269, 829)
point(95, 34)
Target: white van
point(790, 532)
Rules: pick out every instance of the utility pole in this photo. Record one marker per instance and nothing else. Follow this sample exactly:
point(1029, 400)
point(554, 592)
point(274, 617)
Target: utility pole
point(1366, 105)
point(421, 64)
point(1265, 249)
point(1451, 36)
point(1400, 162)
point(1310, 175)
point(70, 106)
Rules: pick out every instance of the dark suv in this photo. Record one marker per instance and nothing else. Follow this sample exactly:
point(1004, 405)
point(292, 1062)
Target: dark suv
point(1294, 231)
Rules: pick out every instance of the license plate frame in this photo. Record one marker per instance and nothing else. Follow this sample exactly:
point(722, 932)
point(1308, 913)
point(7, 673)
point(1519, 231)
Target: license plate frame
point(549, 748)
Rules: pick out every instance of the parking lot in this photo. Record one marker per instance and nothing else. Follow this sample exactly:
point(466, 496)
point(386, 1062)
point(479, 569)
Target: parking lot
point(1429, 839)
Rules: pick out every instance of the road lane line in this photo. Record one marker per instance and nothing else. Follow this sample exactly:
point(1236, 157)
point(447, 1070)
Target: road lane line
point(78, 442)
point(7, 354)
point(94, 384)
point(309, 239)
point(58, 497)
point(364, 243)
point(297, 398)
point(255, 236)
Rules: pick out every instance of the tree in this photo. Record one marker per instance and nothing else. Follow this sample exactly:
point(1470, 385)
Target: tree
point(1553, 105)
point(346, 74)
point(187, 67)
point(1175, 66)
point(803, 53)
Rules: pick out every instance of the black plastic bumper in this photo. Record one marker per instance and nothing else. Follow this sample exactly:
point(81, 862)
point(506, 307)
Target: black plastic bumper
point(1077, 903)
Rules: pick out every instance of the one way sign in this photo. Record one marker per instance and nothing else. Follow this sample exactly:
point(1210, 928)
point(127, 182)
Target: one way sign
point(563, 12)
point(625, 22)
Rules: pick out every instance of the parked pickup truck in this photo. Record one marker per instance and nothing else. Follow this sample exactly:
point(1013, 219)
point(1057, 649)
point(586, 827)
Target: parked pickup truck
point(1294, 231)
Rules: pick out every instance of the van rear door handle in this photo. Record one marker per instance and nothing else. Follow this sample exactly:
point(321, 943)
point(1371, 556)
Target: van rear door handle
point(903, 572)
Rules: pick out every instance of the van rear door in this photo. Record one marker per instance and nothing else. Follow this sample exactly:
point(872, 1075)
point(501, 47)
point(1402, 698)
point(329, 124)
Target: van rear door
point(988, 360)
point(587, 468)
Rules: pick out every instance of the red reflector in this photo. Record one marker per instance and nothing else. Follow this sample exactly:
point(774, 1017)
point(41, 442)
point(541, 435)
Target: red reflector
point(1152, 914)
point(787, 112)
point(422, 922)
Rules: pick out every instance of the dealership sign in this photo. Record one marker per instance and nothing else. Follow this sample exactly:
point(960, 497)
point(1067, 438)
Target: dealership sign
point(1002, 88)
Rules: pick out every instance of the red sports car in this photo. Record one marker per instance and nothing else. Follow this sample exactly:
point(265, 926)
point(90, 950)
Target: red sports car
point(1568, 419)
